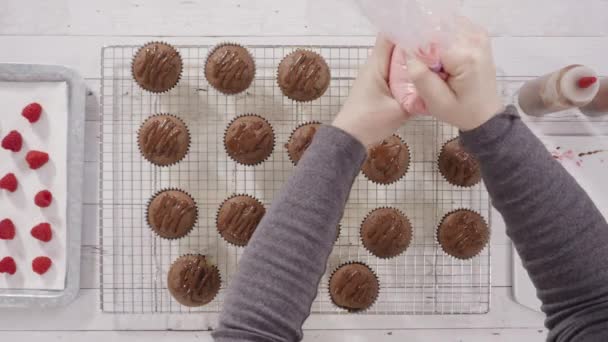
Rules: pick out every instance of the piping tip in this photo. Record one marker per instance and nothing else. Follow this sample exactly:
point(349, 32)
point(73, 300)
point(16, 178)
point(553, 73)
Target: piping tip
point(586, 82)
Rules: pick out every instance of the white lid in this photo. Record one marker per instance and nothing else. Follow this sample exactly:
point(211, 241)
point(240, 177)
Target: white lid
point(572, 91)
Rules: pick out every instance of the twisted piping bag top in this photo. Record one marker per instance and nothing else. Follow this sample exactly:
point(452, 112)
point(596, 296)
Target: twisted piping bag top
point(417, 27)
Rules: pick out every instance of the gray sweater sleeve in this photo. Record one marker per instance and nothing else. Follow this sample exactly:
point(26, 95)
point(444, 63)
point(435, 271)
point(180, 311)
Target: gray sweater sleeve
point(559, 233)
point(279, 271)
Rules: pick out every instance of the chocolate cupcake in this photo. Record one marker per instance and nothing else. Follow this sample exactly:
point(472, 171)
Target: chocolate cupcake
point(163, 139)
point(387, 161)
point(354, 287)
point(303, 76)
point(230, 68)
point(249, 139)
point(172, 213)
point(238, 217)
point(457, 166)
point(193, 281)
point(300, 139)
point(157, 67)
point(463, 234)
point(386, 232)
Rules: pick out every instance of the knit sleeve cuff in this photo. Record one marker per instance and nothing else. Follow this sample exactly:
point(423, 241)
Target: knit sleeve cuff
point(480, 138)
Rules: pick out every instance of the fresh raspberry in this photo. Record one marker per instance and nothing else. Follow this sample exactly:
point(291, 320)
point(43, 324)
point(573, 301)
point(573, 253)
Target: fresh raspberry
point(7, 230)
point(8, 265)
point(13, 141)
point(36, 159)
point(43, 199)
point(9, 182)
point(32, 112)
point(42, 232)
point(41, 264)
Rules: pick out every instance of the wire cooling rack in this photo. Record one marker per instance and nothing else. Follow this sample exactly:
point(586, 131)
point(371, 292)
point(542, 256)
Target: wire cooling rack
point(134, 263)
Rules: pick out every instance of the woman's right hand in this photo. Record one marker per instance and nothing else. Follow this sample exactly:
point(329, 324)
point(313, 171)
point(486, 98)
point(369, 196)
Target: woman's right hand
point(469, 97)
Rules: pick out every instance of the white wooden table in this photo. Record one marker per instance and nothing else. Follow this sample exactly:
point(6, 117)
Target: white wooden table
point(530, 38)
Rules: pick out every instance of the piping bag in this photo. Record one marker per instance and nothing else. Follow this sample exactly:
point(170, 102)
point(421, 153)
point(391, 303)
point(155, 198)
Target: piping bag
point(421, 28)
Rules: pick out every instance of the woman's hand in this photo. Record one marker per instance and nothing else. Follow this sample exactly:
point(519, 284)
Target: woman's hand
point(469, 97)
point(370, 113)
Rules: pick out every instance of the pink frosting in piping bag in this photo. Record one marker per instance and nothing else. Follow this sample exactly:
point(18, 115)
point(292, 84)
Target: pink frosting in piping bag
point(402, 89)
point(422, 28)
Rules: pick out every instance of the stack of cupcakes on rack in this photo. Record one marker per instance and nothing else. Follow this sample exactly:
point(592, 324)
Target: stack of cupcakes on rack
point(300, 140)
point(157, 67)
point(172, 213)
point(303, 76)
point(249, 141)
point(164, 140)
point(386, 232)
point(462, 233)
point(230, 68)
point(457, 166)
point(387, 162)
point(238, 217)
point(354, 286)
point(193, 281)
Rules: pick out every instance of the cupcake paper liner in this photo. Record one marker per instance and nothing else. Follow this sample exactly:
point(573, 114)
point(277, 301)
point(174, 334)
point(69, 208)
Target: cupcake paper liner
point(187, 132)
point(148, 217)
point(441, 173)
point(219, 208)
point(289, 54)
point(353, 263)
point(274, 139)
point(406, 218)
point(291, 135)
point(407, 169)
point(213, 266)
point(228, 43)
point(180, 72)
point(339, 231)
point(436, 235)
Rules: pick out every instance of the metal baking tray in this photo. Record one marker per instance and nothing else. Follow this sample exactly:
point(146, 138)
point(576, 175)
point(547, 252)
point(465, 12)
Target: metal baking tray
point(19, 298)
